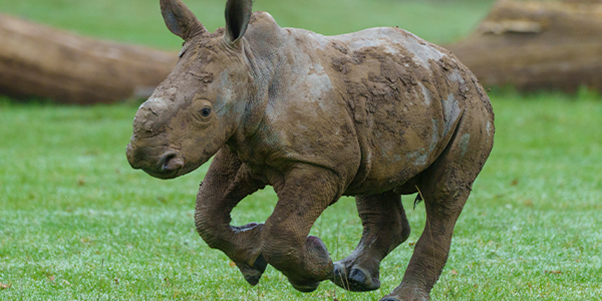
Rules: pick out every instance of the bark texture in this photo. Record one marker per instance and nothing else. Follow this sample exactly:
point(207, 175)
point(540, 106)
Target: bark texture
point(554, 45)
point(42, 62)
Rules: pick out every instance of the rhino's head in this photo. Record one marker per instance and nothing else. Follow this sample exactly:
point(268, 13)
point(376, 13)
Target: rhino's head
point(198, 107)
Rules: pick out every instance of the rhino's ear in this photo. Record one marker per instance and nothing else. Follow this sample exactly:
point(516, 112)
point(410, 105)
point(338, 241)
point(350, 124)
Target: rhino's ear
point(180, 20)
point(238, 14)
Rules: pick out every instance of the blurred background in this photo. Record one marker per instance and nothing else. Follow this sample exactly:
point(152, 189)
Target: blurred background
point(140, 22)
point(76, 222)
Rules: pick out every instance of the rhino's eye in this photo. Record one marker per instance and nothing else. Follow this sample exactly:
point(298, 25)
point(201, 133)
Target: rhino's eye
point(205, 112)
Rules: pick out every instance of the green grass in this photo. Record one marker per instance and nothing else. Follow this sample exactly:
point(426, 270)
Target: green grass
point(77, 223)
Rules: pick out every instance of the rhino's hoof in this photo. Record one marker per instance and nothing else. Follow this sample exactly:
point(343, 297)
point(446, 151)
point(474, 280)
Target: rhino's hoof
point(253, 274)
point(356, 281)
point(304, 286)
point(408, 295)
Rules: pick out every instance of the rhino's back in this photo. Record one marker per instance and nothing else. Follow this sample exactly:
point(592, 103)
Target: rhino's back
point(405, 96)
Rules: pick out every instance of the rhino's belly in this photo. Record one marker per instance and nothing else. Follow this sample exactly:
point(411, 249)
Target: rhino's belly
point(395, 151)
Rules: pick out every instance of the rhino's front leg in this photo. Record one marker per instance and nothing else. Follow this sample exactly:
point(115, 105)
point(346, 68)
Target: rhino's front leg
point(227, 182)
point(304, 194)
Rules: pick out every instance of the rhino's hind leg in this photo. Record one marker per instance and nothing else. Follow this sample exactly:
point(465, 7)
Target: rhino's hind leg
point(445, 187)
point(385, 227)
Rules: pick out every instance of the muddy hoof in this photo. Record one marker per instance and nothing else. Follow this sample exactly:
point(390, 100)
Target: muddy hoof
point(304, 286)
point(356, 281)
point(253, 274)
point(360, 282)
point(412, 295)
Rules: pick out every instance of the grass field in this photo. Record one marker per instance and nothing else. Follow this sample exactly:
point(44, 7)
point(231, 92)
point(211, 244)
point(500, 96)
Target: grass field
point(76, 223)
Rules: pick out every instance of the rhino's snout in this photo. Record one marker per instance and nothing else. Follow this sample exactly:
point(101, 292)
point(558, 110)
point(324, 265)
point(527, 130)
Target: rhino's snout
point(129, 152)
point(165, 166)
point(171, 162)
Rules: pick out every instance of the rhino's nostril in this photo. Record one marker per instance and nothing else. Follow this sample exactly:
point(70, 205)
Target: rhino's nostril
point(170, 162)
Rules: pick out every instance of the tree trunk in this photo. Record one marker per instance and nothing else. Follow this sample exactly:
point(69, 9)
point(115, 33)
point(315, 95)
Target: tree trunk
point(40, 62)
point(537, 45)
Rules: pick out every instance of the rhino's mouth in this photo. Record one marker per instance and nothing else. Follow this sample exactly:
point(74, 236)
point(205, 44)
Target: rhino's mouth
point(164, 175)
point(169, 166)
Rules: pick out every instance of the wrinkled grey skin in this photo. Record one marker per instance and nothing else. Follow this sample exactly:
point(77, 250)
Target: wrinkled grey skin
point(373, 114)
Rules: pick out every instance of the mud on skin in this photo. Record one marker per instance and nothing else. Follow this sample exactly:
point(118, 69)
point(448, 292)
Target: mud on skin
point(375, 114)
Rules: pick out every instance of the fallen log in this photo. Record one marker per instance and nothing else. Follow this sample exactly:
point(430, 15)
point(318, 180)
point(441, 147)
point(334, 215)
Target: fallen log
point(42, 62)
point(537, 45)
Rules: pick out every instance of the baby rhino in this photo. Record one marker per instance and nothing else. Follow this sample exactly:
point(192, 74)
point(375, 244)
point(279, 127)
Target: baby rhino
point(374, 114)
